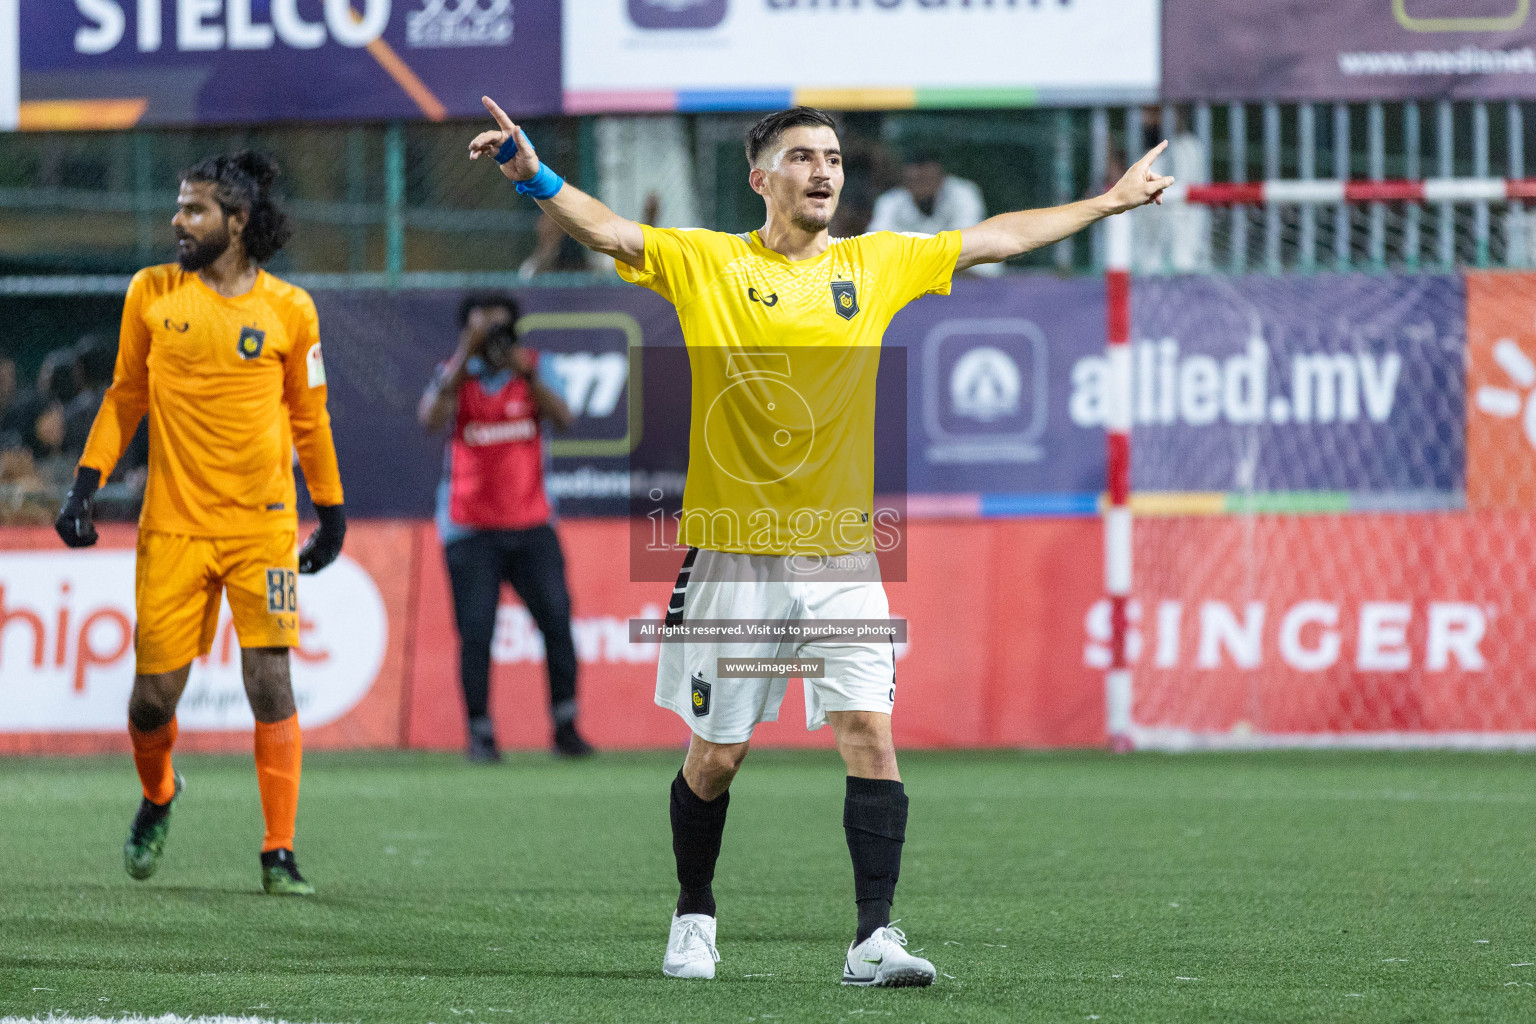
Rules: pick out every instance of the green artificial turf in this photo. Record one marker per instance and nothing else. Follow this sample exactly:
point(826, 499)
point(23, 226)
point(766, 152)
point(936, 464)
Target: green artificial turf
point(1045, 887)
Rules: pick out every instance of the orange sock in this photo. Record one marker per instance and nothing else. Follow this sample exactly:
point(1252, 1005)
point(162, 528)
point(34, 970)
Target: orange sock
point(152, 757)
point(279, 757)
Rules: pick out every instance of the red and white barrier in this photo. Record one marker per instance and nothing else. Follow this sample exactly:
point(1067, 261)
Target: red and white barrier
point(1334, 192)
point(1117, 510)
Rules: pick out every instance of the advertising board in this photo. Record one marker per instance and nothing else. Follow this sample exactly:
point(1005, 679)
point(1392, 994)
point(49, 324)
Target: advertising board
point(119, 63)
point(1355, 50)
point(769, 54)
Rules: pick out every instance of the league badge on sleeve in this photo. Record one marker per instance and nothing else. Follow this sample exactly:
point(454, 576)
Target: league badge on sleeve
point(845, 299)
point(315, 364)
point(250, 343)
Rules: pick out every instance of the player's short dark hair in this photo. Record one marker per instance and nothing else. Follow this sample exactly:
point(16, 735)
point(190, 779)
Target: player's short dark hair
point(766, 132)
point(243, 182)
point(488, 300)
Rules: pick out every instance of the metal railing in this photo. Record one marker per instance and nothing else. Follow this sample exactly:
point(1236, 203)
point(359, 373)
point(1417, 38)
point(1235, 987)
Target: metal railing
point(397, 205)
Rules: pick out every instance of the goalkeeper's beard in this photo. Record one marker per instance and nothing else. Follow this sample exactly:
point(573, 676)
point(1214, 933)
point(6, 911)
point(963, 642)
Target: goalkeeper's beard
point(811, 223)
point(200, 255)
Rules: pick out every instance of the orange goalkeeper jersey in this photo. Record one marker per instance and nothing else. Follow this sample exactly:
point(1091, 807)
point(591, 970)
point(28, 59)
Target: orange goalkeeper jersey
point(233, 387)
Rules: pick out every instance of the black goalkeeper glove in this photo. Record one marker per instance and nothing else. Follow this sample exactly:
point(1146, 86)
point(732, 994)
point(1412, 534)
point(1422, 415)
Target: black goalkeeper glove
point(324, 545)
point(74, 522)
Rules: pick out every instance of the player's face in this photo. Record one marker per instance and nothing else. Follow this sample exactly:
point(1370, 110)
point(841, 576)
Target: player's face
point(803, 179)
point(202, 229)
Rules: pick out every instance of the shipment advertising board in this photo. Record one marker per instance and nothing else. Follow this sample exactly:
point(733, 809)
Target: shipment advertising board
point(1348, 49)
point(118, 63)
point(67, 660)
point(766, 54)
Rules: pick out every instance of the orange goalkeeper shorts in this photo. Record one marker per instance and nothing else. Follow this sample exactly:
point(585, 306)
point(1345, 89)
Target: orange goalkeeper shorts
point(177, 584)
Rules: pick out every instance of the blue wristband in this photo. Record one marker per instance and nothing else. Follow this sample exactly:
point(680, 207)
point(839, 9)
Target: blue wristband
point(542, 185)
point(508, 149)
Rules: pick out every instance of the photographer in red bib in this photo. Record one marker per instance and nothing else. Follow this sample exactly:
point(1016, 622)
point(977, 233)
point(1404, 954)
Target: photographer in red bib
point(492, 513)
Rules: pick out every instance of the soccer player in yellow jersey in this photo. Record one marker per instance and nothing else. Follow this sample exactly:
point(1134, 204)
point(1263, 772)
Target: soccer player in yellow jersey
point(783, 327)
point(225, 360)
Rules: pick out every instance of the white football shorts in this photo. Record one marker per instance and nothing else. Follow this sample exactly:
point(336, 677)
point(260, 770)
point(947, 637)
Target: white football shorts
point(858, 676)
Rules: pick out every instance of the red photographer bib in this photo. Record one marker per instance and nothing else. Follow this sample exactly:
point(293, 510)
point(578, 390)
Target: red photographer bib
point(496, 468)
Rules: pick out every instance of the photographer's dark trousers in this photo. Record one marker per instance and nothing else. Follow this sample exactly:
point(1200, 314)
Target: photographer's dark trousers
point(531, 561)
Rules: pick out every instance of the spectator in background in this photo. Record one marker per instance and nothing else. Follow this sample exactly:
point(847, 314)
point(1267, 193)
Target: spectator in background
point(7, 387)
point(553, 251)
point(26, 498)
point(40, 432)
point(930, 201)
point(853, 215)
point(14, 399)
point(492, 512)
point(556, 252)
point(869, 169)
point(59, 376)
point(95, 357)
point(1173, 237)
point(32, 476)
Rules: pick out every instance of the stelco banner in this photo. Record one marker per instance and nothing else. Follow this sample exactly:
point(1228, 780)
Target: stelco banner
point(117, 63)
point(1348, 49)
point(762, 54)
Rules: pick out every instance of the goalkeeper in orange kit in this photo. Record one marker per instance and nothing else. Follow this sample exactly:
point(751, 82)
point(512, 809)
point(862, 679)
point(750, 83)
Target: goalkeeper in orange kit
point(225, 360)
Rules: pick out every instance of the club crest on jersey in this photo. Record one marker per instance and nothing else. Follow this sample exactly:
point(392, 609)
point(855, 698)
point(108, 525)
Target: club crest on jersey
point(700, 695)
point(845, 299)
point(251, 340)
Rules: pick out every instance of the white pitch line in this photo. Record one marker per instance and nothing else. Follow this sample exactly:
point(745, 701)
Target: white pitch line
point(169, 1018)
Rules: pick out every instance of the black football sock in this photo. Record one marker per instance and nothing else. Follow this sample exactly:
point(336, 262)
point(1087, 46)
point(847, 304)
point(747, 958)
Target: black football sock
point(697, 826)
point(875, 822)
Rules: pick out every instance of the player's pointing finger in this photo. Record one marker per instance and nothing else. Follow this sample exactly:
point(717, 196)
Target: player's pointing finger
point(502, 120)
point(1152, 154)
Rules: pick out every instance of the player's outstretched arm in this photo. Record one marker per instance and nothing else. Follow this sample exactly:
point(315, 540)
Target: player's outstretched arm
point(581, 216)
point(1010, 234)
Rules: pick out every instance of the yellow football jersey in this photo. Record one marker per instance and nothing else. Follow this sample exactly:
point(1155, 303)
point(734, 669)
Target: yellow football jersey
point(233, 387)
point(784, 355)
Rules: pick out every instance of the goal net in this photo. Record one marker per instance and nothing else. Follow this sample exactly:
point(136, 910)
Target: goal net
point(1333, 478)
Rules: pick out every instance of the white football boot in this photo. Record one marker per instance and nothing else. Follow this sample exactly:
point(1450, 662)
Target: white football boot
point(882, 960)
point(691, 949)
